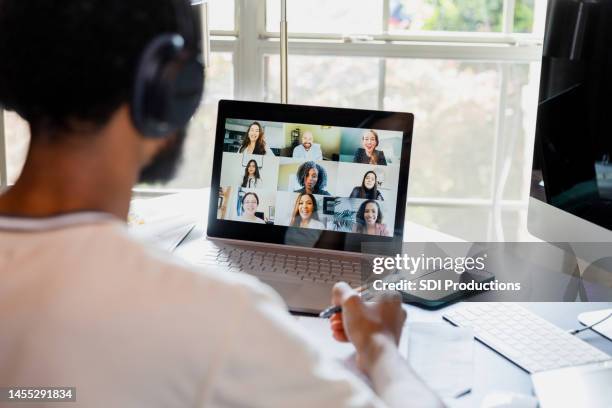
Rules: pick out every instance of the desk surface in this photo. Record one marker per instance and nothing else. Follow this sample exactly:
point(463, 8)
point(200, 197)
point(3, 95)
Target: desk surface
point(491, 372)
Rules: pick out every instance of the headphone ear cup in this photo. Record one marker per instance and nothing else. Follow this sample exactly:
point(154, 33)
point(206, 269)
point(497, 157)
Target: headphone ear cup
point(168, 87)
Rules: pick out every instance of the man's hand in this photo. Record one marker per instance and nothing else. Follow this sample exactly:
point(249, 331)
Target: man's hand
point(370, 327)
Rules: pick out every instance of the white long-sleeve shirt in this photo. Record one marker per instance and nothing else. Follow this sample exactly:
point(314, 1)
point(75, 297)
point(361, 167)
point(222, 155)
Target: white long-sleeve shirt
point(83, 305)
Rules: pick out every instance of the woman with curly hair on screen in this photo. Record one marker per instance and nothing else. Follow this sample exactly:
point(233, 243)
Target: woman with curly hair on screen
point(370, 219)
point(313, 178)
point(305, 213)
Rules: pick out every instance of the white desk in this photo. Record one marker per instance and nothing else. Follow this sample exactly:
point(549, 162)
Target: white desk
point(492, 372)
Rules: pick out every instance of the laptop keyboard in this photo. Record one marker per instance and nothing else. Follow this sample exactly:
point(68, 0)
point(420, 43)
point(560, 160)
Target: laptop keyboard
point(275, 265)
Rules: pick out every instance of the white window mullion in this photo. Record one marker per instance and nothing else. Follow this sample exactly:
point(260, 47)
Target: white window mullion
point(465, 52)
point(385, 15)
point(382, 78)
point(249, 66)
point(495, 228)
point(3, 155)
point(508, 16)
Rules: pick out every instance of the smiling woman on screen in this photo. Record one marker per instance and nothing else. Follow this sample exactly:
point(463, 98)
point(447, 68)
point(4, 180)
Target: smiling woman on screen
point(305, 213)
point(370, 219)
point(250, 202)
point(254, 141)
point(367, 153)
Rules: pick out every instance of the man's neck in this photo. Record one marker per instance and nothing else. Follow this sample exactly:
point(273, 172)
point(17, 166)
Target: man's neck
point(64, 180)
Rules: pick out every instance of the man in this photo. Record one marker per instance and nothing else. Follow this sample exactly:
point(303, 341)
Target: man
point(308, 150)
point(83, 305)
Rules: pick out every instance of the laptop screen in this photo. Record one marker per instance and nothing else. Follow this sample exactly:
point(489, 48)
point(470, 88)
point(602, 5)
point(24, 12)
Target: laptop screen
point(310, 176)
point(298, 178)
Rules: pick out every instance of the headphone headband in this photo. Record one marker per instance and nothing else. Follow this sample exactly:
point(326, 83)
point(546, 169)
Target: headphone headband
point(170, 77)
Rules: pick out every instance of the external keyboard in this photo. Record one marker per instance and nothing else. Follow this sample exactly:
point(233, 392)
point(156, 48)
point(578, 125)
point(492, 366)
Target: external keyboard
point(528, 340)
point(284, 266)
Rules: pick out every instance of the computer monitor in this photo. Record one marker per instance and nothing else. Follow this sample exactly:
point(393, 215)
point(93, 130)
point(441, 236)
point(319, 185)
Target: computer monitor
point(571, 186)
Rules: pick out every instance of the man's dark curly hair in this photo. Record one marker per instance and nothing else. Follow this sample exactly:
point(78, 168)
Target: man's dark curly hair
point(303, 170)
point(69, 65)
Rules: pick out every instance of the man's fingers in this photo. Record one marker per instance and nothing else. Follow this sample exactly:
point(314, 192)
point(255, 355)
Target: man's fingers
point(340, 291)
point(337, 325)
point(345, 296)
point(390, 296)
point(340, 336)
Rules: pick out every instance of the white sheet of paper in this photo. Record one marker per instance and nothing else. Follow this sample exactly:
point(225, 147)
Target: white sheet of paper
point(442, 355)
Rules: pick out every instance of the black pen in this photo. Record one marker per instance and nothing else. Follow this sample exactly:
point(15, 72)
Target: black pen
point(332, 310)
point(327, 313)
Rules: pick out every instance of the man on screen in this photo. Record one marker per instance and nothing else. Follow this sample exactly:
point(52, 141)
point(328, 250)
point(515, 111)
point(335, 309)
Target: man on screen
point(83, 305)
point(308, 150)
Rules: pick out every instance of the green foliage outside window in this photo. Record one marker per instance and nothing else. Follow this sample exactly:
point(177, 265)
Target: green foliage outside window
point(459, 15)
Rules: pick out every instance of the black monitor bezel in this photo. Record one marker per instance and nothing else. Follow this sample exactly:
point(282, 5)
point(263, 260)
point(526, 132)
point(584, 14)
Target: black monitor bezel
point(338, 117)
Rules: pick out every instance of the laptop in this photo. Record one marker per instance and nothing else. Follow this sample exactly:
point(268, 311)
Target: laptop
point(302, 193)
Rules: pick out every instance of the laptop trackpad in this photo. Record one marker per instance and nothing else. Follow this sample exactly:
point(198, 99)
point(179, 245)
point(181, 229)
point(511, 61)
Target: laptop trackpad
point(308, 298)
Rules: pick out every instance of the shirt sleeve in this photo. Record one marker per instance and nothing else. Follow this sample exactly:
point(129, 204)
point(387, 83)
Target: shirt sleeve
point(270, 361)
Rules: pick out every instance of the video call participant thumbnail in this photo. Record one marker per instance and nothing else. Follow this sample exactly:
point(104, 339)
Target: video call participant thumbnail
point(251, 178)
point(249, 204)
point(308, 150)
point(313, 179)
point(305, 213)
point(254, 141)
point(367, 153)
point(368, 188)
point(370, 219)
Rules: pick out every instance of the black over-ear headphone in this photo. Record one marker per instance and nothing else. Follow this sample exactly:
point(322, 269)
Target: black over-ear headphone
point(170, 77)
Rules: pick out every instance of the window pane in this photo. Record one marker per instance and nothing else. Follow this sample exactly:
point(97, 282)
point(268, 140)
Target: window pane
point(518, 130)
point(478, 224)
point(446, 15)
point(530, 16)
point(196, 170)
point(523, 16)
point(331, 81)
point(324, 16)
point(470, 224)
point(455, 106)
point(17, 133)
point(221, 14)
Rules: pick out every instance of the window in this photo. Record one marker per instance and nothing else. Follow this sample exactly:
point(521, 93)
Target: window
point(222, 15)
point(196, 167)
point(454, 63)
point(324, 16)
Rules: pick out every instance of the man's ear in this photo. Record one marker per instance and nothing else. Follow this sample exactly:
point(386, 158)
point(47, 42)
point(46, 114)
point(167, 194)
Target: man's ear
point(123, 127)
